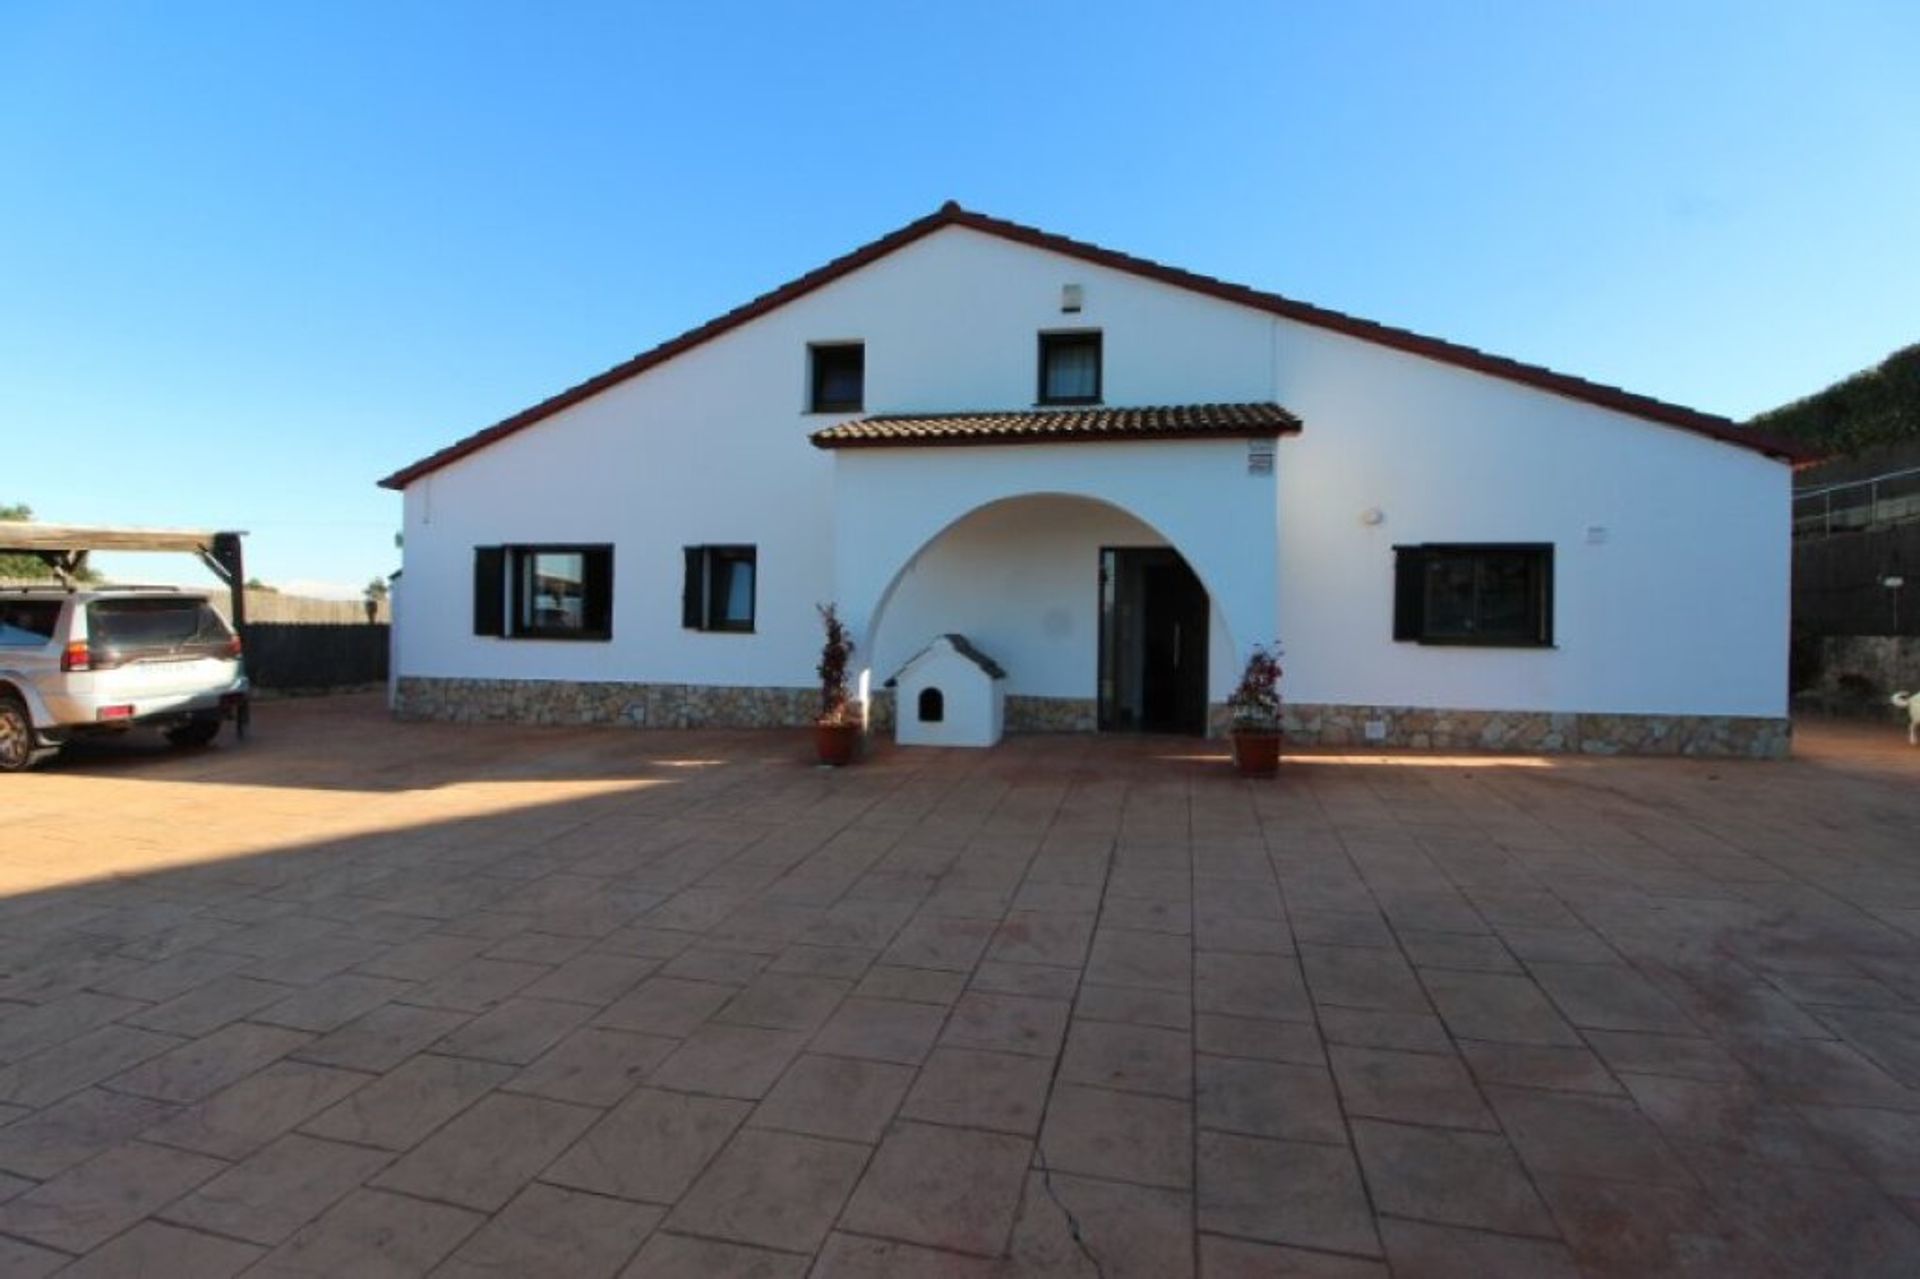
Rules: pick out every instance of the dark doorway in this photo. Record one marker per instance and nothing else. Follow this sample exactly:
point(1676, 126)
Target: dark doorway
point(1153, 642)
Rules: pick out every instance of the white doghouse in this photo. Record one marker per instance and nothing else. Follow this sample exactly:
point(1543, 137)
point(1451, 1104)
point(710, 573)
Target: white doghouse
point(949, 694)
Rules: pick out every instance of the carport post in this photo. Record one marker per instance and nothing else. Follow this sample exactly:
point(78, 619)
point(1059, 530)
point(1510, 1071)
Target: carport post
point(226, 561)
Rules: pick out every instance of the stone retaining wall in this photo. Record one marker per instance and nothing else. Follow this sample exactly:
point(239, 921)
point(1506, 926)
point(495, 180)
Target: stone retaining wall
point(1859, 673)
point(1403, 727)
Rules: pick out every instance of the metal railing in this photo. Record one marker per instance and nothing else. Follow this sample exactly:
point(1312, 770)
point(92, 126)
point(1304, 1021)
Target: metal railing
point(1889, 498)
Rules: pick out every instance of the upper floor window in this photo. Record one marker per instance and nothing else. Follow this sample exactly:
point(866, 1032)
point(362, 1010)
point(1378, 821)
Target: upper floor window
point(1497, 594)
point(718, 592)
point(1070, 368)
point(543, 592)
point(838, 377)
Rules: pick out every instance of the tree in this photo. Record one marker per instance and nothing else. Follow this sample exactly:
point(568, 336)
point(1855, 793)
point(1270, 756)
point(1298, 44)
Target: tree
point(377, 589)
point(23, 567)
point(255, 584)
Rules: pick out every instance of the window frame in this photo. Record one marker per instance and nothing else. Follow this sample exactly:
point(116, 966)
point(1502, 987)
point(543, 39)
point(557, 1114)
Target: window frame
point(1411, 608)
point(815, 378)
point(512, 591)
point(1050, 339)
point(700, 617)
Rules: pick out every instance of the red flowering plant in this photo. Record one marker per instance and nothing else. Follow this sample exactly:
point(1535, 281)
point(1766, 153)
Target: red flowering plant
point(836, 703)
point(1255, 702)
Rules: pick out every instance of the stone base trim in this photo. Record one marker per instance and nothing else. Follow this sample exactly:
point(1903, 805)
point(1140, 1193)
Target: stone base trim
point(531, 701)
point(541, 701)
point(1029, 714)
point(1540, 732)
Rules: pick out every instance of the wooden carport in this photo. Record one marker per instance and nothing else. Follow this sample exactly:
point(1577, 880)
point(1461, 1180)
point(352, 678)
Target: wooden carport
point(64, 548)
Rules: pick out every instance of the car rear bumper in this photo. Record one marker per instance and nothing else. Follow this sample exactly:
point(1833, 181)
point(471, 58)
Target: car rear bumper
point(90, 712)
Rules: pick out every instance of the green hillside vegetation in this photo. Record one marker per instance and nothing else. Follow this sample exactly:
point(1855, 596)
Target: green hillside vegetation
point(1877, 407)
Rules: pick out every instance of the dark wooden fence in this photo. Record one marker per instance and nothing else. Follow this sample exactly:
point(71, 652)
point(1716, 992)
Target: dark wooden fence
point(1839, 582)
point(300, 655)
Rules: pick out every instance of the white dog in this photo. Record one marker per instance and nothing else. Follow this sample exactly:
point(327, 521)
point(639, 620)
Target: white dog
point(1910, 702)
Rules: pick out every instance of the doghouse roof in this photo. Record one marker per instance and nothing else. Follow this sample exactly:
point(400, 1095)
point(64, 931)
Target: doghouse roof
point(958, 644)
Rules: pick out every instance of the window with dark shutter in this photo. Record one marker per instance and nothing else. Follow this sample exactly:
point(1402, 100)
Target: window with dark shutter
point(543, 592)
point(721, 588)
point(1497, 594)
point(693, 588)
point(1409, 587)
point(489, 590)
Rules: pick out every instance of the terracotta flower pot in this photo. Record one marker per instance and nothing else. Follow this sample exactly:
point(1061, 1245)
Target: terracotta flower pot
point(836, 743)
point(1255, 752)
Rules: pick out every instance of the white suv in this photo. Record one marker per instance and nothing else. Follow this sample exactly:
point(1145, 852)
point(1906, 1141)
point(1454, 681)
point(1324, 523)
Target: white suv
point(109, 659)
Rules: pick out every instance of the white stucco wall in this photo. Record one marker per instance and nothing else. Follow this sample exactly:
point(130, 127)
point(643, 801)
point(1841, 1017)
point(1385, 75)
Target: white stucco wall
point(1682, 609)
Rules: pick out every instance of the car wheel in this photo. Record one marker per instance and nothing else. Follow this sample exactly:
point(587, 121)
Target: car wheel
point(197, 731)
point(17, 749)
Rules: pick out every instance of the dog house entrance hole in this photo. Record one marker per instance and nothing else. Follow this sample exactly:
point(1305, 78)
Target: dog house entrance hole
point(933, 706)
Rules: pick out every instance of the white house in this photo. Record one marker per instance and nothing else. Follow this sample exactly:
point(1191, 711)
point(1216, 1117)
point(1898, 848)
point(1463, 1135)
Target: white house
point(1115, 477)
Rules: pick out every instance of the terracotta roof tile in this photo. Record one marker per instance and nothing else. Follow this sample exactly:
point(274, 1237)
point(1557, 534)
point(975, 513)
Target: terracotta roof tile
point(1063, 426)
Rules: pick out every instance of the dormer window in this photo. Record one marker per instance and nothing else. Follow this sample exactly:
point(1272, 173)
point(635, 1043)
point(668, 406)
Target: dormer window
point(839, 377)
point(1070, 368)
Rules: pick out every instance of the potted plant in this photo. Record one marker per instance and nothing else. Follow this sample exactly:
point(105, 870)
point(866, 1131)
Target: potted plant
point(1255, 704)
point(837, 732)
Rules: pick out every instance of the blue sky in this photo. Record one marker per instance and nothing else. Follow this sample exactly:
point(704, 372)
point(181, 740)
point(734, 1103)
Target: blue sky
point(255, 256)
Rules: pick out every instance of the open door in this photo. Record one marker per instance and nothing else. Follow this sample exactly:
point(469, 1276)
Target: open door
point(1153, 642)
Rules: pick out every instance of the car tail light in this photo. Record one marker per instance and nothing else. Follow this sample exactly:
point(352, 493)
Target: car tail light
point(77, 657)
point(115, 712)
point(233, 646)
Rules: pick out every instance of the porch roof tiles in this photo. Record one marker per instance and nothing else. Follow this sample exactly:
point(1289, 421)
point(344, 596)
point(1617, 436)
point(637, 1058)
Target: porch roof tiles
point(1064, 426)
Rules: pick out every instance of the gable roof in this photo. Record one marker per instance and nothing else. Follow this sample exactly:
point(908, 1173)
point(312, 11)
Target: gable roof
point(951, 214)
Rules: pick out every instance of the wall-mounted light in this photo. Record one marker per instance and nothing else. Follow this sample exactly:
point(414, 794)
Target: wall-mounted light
point(1373, 516)
point(1070, 298)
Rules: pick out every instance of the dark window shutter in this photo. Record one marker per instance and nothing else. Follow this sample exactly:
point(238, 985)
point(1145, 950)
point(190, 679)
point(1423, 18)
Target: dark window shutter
point(690, 593)
point(489, 593)
point(1409, 592)
point(1543, 591)
point(599, 591)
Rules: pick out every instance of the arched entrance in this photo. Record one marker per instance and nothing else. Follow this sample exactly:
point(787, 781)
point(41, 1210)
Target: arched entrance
point(1004, 545)
point(1098, 620)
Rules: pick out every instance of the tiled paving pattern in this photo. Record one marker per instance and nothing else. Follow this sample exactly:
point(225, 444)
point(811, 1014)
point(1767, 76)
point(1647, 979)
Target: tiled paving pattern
point(372, 999)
